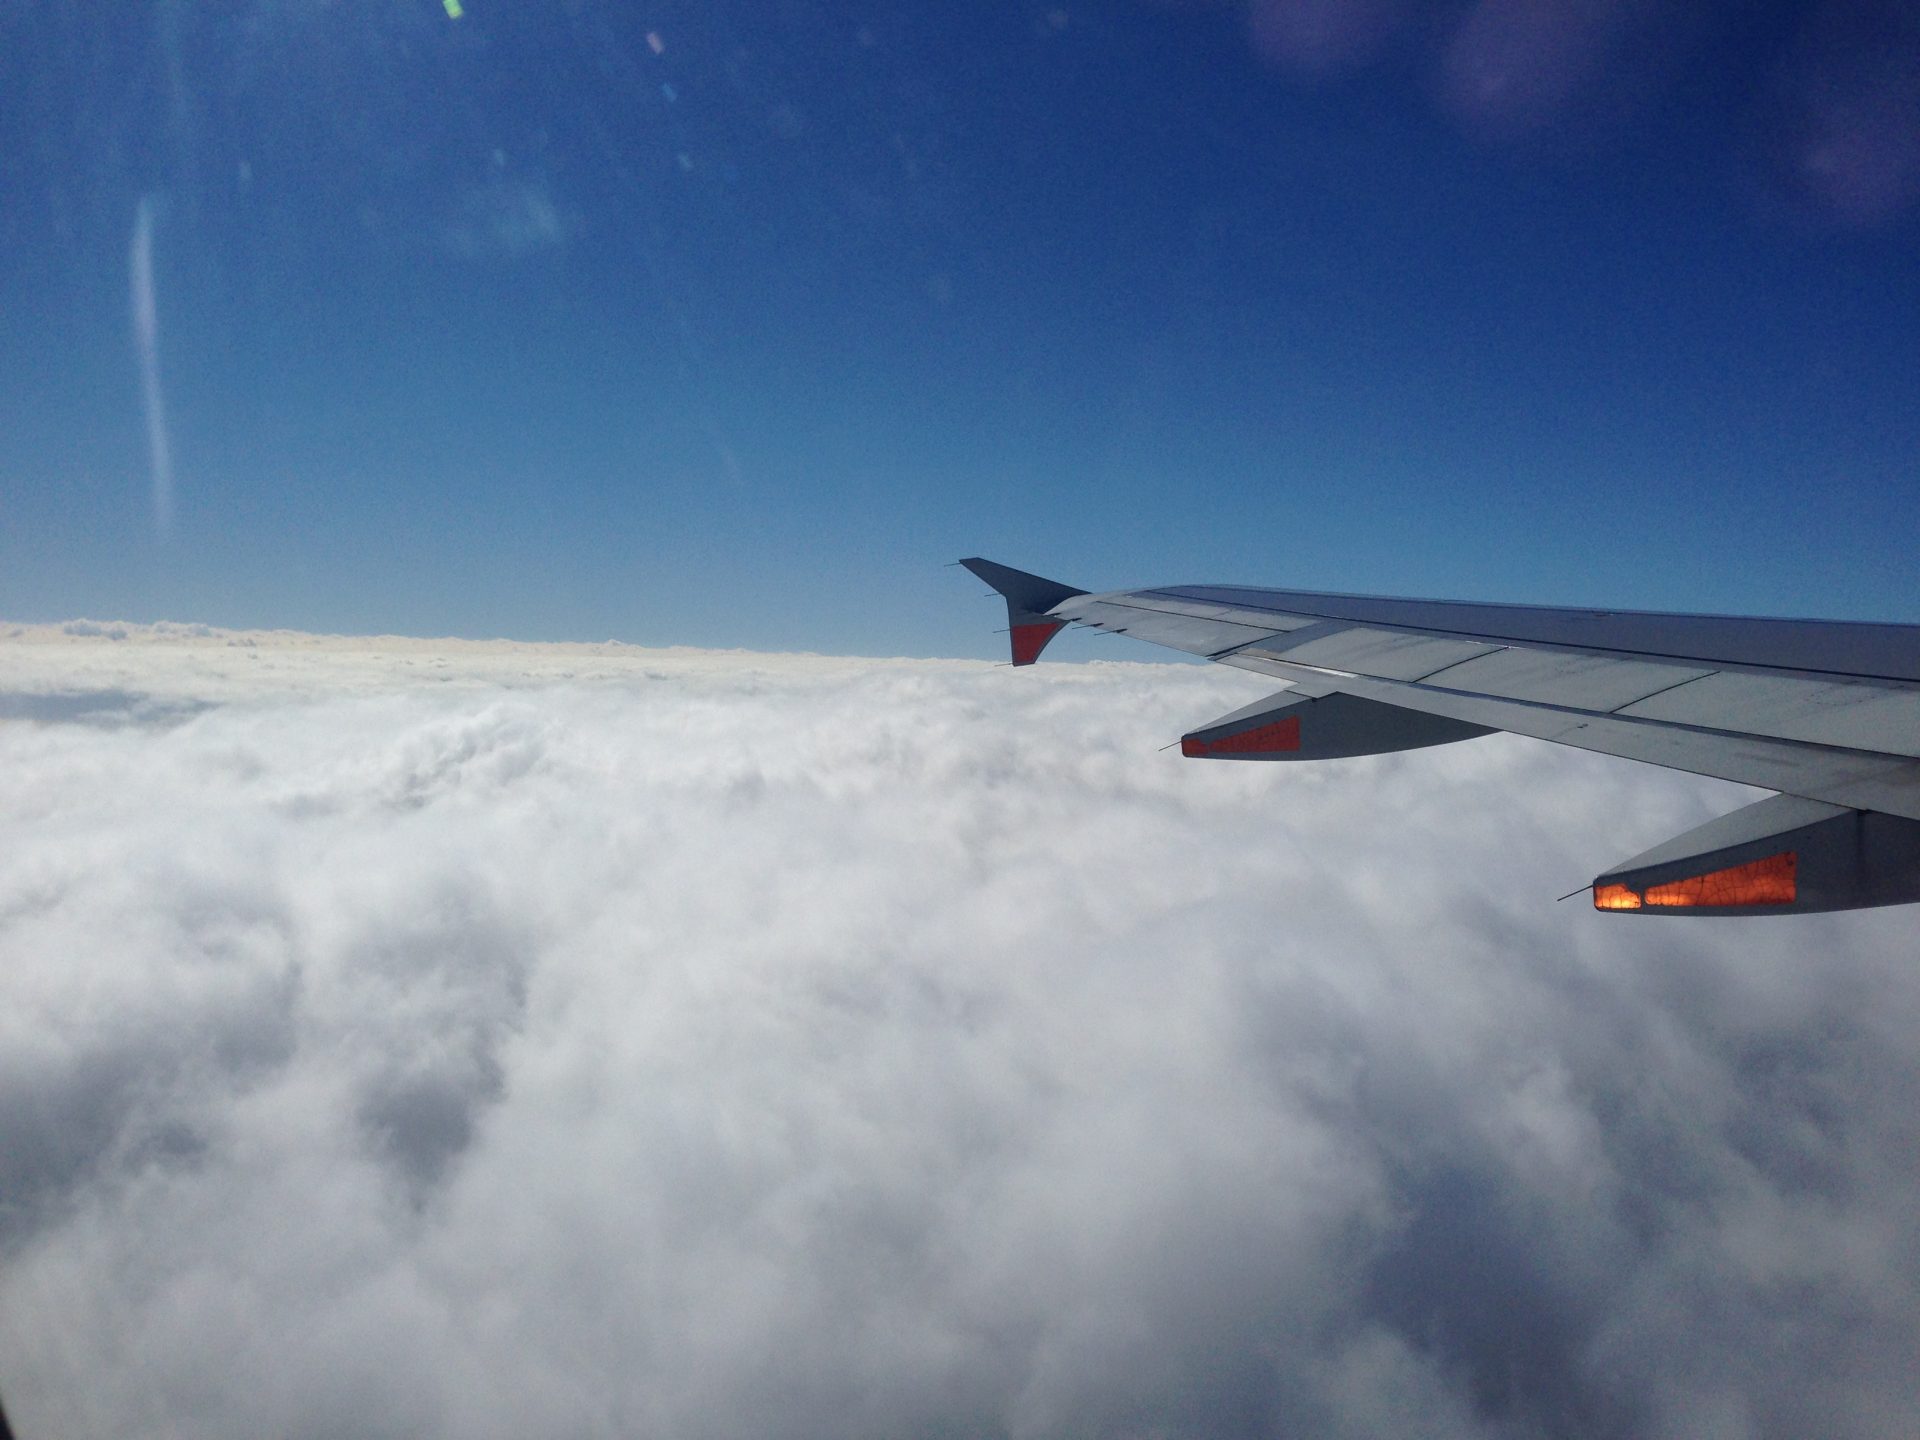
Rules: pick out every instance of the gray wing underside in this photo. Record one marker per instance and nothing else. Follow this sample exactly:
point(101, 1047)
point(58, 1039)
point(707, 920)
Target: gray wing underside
point(1825, 710)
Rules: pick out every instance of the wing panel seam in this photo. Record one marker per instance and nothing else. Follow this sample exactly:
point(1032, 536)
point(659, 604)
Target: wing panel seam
point(1664, 689)
point(1463, 660)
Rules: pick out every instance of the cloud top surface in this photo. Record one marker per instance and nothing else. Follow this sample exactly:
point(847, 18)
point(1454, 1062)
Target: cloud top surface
point(451, 1038)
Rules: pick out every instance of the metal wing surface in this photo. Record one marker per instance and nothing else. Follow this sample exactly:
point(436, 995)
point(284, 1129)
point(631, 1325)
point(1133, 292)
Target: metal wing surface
point(1827, 713)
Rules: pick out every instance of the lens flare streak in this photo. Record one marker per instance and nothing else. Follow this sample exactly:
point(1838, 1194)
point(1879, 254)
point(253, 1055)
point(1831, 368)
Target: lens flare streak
point(146, 336)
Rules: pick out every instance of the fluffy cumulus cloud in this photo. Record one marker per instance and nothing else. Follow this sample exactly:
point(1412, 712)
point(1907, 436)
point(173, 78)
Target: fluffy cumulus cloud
point(472, 1041)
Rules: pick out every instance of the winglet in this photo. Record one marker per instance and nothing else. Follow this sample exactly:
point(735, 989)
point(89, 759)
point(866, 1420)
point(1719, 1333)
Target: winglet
point(1029, 598)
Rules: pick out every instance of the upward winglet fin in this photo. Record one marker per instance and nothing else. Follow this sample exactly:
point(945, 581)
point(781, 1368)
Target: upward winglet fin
point(1030, 598)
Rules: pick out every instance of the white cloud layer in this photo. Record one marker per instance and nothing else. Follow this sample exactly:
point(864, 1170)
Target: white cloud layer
point(456, 1040)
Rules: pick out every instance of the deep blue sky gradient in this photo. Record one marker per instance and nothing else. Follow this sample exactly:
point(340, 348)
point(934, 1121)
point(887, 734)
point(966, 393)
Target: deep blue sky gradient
point(514, 324)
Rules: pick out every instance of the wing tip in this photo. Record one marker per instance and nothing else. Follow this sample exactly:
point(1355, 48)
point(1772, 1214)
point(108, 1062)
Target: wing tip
point(1029, 599)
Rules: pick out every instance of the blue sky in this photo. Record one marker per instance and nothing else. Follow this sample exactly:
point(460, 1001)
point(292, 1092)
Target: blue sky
point(729, 325)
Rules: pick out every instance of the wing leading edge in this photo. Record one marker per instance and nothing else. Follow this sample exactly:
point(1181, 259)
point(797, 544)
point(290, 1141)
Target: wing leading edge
point(1825, 712)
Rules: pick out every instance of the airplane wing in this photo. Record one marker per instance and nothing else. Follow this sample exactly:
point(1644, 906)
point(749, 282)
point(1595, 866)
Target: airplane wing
point(1825, 712)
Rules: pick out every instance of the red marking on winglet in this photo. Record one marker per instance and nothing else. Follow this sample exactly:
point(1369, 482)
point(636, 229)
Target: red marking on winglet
point(1265, 740)
point(1030, 640)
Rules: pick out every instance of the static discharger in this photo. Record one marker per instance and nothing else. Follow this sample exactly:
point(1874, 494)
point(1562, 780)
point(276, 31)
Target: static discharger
point(1768, 881)
point(1262, 740)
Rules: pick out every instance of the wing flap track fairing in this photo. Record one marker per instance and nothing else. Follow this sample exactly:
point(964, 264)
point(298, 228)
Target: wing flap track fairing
point(1290, 726)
